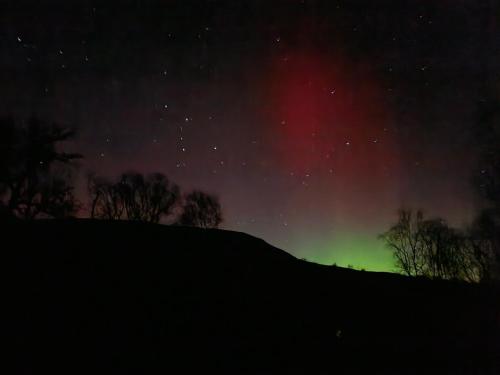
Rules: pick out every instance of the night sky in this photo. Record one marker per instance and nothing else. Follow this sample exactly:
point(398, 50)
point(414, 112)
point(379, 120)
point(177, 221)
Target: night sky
point(313, 121)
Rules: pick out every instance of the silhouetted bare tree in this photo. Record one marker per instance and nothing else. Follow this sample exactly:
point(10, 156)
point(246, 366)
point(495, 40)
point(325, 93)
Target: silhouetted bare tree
point(403, 239)
point(106, 199)
point(429, 247)
point(148, 198)
point(444, 253)
point(133, 197)
point(34, 175)
point(201, 210)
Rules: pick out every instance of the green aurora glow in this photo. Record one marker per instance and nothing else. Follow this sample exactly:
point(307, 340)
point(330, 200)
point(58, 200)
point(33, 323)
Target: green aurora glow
point(351, 249)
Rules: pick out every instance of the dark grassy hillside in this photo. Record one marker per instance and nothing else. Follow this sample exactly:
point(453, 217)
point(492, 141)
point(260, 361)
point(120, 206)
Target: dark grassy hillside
point(120, 297)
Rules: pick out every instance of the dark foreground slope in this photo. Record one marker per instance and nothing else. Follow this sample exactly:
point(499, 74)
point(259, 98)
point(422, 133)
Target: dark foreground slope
point(117, 297)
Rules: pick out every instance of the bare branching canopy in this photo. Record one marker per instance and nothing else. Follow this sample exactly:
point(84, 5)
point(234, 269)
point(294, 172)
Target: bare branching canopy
point(201, 210)
point(133, 197)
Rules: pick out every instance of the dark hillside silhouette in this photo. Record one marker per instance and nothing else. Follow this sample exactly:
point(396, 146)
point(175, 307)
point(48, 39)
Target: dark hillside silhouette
point(128, 297)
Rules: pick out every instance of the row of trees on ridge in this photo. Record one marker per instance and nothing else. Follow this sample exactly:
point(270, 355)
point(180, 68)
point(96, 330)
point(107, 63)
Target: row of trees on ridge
point(151, 198)
point(36, 181)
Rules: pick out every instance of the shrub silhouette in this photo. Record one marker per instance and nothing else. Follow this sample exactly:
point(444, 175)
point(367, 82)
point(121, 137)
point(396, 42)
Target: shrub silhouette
point(34, 175)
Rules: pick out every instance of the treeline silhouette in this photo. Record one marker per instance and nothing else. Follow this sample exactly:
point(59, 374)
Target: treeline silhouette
point(150, 199)
point(431, 248)
point(36, 181)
